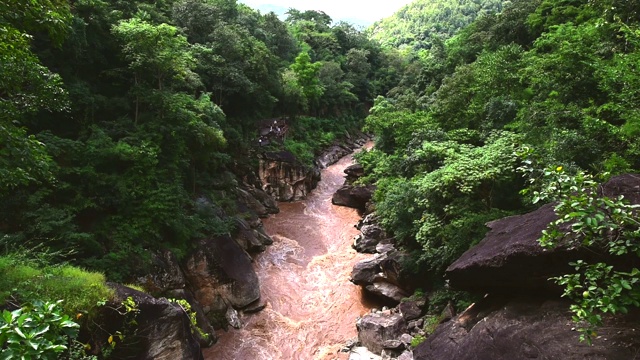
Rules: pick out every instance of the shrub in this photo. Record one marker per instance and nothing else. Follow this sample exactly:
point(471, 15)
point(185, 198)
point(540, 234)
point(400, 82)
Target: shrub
point(36, 331)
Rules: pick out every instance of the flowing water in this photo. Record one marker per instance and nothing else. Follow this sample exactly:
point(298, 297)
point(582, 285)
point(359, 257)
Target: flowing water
point(304, 277)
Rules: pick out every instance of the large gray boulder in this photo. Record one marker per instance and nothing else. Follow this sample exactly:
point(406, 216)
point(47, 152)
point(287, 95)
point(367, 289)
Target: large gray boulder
point(375, 329)
point(353, 196)
point(162, 329)
point(369, 237)
point(527, 328)
point(510, 258)
point(221, 275)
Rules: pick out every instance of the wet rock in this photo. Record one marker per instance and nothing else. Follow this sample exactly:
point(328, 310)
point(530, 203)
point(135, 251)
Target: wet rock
point(367, 241)
point(349, 345)
point(333, 154)
point(221, 273)
point(375, 329)
point(387, 291)
point(365, 271)
point(251, 239)
point(163, 328)
point(208, 336)
point(165, 273)
point(233, 318)
point(255, 307)
point(369, 219)
point(354, 172)
point(381, 275)
point(362, 353)
point(353, 196)
point(527, 328)
point(257, 201)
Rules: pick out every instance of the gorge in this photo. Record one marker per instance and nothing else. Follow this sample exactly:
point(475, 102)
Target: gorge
point(311, 306)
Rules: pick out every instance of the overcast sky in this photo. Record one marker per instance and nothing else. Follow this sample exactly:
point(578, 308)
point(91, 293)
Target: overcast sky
point(367, 11)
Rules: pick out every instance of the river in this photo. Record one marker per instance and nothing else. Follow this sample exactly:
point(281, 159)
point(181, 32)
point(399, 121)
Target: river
point(304, 277)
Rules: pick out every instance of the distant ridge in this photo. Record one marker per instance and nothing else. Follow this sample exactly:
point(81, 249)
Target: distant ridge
point(415, 24)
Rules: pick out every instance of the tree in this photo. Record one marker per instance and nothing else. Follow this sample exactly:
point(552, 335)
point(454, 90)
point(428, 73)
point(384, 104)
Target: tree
point(27, 87)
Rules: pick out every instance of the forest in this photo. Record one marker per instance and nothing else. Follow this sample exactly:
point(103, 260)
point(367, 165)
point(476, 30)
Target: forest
point(116, 117)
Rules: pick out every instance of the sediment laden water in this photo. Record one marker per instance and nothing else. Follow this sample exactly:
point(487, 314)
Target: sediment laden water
point(304, 277)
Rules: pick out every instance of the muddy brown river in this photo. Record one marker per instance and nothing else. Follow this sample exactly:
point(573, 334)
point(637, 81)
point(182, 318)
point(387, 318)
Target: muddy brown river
point(304, 277)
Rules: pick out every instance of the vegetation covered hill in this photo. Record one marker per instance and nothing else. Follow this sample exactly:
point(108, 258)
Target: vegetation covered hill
point(420, 22)
point(546, 89)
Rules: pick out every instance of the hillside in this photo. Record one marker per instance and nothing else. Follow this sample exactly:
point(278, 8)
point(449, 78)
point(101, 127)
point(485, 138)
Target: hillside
point(417, 23)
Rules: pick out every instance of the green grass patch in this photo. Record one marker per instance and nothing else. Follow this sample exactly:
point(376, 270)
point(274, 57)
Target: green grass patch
point(25, 281)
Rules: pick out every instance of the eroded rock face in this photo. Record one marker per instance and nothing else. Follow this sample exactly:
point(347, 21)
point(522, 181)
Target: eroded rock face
point(163, 329)
point(377, 328)
point(257, 201)
point(165, 273)
point(500, 329)
point(284, 178)
point(221, 274)
point(510, 258)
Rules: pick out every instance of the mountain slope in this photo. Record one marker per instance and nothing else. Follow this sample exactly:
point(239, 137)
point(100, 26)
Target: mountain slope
point(416, 23)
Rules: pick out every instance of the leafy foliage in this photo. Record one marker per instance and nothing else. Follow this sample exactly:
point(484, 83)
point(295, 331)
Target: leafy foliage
point(601, 224)
point(37, 331)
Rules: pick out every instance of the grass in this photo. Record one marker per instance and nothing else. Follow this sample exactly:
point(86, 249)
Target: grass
point(26, 280)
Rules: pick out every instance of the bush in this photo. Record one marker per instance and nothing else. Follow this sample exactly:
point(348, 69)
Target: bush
point(27, 280)
point(37, 331)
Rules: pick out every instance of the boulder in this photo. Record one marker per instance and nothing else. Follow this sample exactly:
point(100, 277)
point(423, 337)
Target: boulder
point(354, 171)
point(165, 273)
point(353, 196)
point(163, 329)
point(387, 291)
point(333, 154)
point(362, 353)
point(412, 308)
point(208, 336)
point(510, 258)
point(376, 328)
point(526, 328)
point(366, 271)
point(369, 238)
point(257, 201)
point(221, 274)
point(249, 238)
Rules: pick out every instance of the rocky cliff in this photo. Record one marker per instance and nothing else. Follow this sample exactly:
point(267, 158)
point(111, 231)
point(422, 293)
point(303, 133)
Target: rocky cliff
point(286, 179)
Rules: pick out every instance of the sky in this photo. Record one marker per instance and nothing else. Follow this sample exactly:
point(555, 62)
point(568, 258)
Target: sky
point(362, 12)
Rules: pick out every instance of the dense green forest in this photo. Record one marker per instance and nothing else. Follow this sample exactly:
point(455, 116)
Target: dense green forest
point(117, 116)
point(545, 88)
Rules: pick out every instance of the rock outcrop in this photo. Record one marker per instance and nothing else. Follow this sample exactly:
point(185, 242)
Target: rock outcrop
point(377, 330)
point(162, 329)
point(526, 328)
point(513, 323)
point(221, 274)
point(381, 276)
point(353, 196)
point(286, 179)
point(510, 258)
